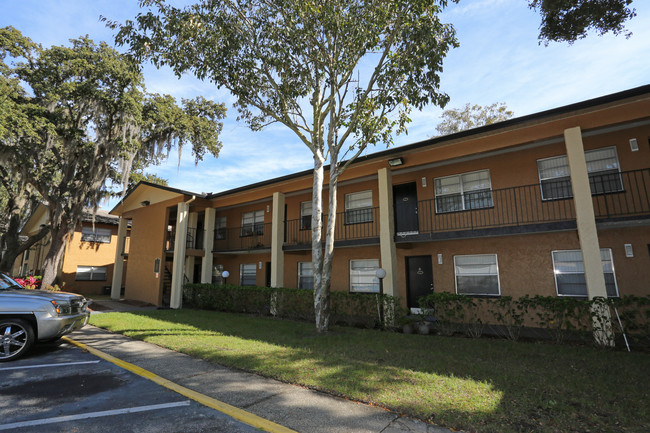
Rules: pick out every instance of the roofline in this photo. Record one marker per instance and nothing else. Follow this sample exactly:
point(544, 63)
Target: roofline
point(589, 103)
point(155, 185)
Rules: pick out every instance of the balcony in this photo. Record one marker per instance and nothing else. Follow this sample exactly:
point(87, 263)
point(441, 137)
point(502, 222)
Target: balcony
point(255, 236)
point(193, 240)
point(521, 209)
point(354, 227)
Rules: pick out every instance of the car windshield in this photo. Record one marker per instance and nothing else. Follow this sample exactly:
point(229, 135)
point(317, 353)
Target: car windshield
point(8, 283)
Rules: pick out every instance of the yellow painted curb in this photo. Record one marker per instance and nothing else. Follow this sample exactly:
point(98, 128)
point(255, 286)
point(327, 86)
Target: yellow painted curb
point(229, 410)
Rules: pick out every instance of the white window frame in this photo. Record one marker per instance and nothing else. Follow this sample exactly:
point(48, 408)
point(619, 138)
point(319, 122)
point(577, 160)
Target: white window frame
point(463, 193)
point(456, 275)
point(252, 223)
point(356, 211)
point(607, 251)
point(369, 273)
point(97, 235)
point(305, 274)
point(592, 172)
point(92, 271)
point(305, 224)
point(243, 273)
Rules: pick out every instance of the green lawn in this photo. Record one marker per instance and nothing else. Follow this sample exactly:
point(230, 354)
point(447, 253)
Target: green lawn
point(485, 385)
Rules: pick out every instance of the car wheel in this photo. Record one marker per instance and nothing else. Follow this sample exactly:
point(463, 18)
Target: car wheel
point(16, 337)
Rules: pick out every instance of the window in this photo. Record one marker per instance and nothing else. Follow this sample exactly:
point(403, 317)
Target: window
point(477, 275)
point(305, 275)
point(220, 228)
point(463, 192)
point(570, 273)
point(217, 274)
point(247, 274)
point(98, 235)
point(358, 207)
point(602, 166)
point(91, 273)
point(252, 223)
point(363, 278)
point(305, 215)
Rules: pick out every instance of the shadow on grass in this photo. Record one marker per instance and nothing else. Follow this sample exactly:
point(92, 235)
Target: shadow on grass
point(485, 385)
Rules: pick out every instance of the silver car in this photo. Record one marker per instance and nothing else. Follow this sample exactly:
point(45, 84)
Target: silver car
point(28, 316)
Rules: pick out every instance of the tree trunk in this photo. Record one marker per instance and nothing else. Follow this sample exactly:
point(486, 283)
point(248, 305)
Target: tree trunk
point(321, 292)
point(54, 255)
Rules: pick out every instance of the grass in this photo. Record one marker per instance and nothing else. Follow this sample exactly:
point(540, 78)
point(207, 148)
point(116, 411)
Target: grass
point(484, 385)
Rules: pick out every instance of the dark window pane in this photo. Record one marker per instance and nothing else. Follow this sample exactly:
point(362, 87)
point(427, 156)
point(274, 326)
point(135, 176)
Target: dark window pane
point(478, 285)
point(604, 182)
point(557, 188)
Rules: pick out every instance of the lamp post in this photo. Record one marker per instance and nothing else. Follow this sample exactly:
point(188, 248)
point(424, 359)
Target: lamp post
point(225, 275)
point(381, 274)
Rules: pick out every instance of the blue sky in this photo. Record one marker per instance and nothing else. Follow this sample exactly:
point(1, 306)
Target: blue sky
point(499, 60)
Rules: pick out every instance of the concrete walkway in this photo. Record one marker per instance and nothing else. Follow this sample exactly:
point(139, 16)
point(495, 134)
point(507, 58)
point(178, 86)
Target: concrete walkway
point(294, 407)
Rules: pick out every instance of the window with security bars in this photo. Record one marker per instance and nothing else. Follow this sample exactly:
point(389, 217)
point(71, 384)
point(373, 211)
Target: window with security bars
point(252, 223)
point(305, 215)
point(91, 273)
point(305, 275)
point(220, 228)
point(98, 235)
point(569, 270)
point(217, 274)
point(247, 274)
point(463, 192)
point(363, 276)
point(358, 207)
point(477, 275)
point(602, 166)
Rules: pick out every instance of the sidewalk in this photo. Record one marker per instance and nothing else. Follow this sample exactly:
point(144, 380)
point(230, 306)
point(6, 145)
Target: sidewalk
point(294, 407)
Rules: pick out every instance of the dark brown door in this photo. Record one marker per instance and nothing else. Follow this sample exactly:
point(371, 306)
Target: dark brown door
point(268, 274)
point(419, 275)
point(405, 198)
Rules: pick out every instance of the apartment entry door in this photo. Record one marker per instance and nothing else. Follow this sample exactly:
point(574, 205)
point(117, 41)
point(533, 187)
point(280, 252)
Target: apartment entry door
point(405, 199)
point(419, 279)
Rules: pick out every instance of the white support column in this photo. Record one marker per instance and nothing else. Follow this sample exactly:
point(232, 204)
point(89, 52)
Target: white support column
point(178, 266)
point(208, 244)
point(386, 230)
point(277, 240)
point(118, 267)
point(587, 232)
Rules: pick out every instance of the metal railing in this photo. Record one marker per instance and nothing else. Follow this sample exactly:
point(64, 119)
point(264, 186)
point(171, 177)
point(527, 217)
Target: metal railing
point(193, 240)
point(253, 236)
point(350, 226)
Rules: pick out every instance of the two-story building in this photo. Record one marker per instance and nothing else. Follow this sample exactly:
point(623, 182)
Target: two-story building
point(554, 203)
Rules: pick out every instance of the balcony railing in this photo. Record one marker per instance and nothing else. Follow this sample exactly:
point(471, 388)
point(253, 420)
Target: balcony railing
point(523, 207)
point(193, 240)
point(248, 237)
point(354, 225)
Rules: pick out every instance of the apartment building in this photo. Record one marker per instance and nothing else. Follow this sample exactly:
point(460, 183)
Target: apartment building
point(555, 203)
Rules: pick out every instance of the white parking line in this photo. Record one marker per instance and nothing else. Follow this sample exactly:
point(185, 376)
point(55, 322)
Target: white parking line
point(92, 415)
point(62, 364)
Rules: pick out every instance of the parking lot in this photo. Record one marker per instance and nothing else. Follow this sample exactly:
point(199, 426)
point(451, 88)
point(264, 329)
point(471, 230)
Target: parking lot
point(60, 388)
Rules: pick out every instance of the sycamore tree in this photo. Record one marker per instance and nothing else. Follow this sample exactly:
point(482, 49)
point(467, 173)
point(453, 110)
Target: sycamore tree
point(570, 20)
point(472, 116)
point(88, 118)
point(342, 75)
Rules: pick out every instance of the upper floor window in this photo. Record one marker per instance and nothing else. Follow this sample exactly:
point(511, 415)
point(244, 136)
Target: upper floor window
point(247, 274)
point(569, 272)
point(305, 215)
point(358, 207)
point(252, 223)
point(463, 191)
point(103, 236)
point(602, 166)
point(91, 273)
point(305, 275)
point(363, 276)
point(220, 228)
point(477, 275)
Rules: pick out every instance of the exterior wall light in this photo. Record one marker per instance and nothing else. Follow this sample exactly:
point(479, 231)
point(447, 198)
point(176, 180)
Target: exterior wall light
point(395, 162)
point(145, 203)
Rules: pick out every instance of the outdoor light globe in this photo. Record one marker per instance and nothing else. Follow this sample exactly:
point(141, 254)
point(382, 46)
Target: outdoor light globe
point(225, 274)
point(381, 273)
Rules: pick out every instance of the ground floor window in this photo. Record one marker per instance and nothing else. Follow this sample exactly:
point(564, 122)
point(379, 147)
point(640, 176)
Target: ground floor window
point(569, 272)
point(91, 273)
point(363, 278)
point(305, 275)
point(477, 275)
point(247, 274)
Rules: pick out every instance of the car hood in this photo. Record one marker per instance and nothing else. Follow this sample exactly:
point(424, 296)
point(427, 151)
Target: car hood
point(40, 294)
